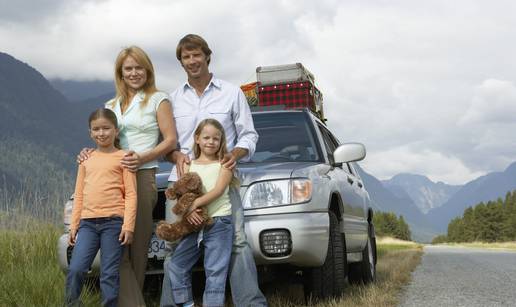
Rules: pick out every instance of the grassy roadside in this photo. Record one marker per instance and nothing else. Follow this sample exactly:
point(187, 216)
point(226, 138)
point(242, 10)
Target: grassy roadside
point(494, 245)
point(396, 260)
point(31, 275)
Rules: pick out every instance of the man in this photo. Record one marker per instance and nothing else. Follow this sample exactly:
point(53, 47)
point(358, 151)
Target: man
point(204, 96)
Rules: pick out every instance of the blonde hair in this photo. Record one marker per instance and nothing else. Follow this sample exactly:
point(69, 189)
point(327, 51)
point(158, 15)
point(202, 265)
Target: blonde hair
point(223, 145)
point(149, 88)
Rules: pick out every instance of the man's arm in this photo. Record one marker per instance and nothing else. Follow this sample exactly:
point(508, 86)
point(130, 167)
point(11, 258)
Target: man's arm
point(247, 137)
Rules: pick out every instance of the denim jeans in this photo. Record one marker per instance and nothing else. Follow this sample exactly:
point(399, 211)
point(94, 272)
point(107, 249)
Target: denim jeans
point(243, 277)
point(93, 234)
point(242, 271)
point(217, 240)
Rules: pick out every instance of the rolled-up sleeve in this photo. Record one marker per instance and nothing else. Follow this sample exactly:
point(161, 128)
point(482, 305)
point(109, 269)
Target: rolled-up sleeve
point(247, 137)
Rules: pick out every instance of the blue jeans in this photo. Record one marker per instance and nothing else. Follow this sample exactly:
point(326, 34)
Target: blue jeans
point(242, 270)
point(93, 234)
point(217, 240)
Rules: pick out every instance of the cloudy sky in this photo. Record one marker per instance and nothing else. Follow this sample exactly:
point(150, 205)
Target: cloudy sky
point(428, 86)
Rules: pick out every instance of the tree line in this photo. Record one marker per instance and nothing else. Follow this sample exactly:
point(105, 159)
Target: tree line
point(494, 221)
point(388, 224)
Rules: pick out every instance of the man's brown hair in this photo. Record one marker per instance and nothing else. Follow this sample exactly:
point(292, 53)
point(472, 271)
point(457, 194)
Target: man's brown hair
point(191, 42)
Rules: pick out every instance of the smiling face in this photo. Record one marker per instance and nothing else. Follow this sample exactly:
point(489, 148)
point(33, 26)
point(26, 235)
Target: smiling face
point(209, 141)
point(195, 63)
point(133, 74)
point(103, 133)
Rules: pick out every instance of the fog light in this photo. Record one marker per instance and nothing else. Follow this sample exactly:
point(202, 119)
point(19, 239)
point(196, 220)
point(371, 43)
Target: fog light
point(275, 242)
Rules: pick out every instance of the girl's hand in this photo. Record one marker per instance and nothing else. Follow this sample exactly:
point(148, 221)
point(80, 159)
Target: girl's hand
point(131, 161)
point(126, 237)
point(72, 237)
point(84, 155)
point(194, 217)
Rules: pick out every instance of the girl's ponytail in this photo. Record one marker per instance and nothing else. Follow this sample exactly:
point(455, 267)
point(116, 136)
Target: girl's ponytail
point(117, 142)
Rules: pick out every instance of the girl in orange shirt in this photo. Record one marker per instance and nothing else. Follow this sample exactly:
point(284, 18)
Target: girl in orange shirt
point(104, 211)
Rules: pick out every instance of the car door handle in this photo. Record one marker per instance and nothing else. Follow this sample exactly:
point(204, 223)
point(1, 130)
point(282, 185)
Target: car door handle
point(350, 180)
point(360, 185)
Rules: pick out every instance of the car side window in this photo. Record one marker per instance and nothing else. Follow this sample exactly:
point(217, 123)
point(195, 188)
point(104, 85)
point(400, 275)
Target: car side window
point(330, 146)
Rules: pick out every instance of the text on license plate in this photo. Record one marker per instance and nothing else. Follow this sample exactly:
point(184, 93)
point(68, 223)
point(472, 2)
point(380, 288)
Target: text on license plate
point(157, 248)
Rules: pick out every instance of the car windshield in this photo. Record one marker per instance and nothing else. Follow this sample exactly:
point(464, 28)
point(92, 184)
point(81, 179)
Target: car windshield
point(284, 137)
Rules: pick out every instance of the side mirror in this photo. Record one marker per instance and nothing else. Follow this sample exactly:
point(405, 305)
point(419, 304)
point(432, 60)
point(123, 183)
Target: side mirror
point(349, 152)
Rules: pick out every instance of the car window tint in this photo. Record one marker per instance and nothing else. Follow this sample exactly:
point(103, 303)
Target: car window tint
point(285, 137)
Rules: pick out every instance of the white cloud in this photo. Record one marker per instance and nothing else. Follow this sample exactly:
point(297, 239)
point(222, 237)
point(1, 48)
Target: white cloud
point(493, 102)
point(433, 78)
point(435, 165)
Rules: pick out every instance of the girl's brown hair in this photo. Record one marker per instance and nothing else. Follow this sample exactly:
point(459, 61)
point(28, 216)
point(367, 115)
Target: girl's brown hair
point(143, 59)
point(223, 145)
point(109, 115)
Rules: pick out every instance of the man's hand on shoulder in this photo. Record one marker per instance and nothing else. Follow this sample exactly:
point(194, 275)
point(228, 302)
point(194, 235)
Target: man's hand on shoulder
point(229, 161)
point(180, 159)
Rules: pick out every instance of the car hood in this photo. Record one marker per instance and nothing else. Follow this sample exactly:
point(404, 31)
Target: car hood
point(251, 172)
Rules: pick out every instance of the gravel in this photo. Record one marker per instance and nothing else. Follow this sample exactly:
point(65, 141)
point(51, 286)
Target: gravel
point(456, 276)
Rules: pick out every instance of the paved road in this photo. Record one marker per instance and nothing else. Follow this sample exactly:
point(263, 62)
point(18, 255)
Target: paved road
point(454, 276)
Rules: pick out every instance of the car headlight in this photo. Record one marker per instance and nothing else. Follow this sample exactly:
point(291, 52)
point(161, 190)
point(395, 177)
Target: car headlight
point(67, 214)
point(277, 193)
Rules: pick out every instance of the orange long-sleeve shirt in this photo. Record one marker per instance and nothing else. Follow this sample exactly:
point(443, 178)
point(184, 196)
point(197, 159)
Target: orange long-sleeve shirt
point(104, 189)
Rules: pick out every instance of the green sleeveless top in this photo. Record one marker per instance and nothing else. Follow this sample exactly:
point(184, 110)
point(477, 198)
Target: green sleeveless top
point(209, 174)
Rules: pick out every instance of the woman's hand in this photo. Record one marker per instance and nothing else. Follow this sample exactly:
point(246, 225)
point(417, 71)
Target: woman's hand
point(84, 155)
point(72, 237)
point(132, 161)
point(126, 237)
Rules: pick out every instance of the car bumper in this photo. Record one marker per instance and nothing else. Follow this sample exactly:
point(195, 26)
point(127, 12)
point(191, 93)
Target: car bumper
point(63, 255)
point(308, 233)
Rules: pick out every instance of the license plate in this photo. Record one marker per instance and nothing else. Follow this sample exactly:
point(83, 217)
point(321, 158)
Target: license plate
point(156, 248)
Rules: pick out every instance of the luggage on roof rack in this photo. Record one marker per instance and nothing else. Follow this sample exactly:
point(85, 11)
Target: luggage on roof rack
point(289, 86)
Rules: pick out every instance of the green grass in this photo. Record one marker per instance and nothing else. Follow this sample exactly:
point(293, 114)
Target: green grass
point(31, 276)
point(28, 265)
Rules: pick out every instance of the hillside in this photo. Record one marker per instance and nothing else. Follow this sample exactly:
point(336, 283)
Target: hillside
point(384, 200)
point(482, 189)
point(425, 193)
point(41, 131)
point(79, 91)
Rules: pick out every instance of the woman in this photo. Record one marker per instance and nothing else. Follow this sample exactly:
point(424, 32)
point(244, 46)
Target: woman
point(143, 113)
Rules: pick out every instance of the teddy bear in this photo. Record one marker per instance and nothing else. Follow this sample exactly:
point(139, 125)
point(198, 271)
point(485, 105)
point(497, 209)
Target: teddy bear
point(185, 190)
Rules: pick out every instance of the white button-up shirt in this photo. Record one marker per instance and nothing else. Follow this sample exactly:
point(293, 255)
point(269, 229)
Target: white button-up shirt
point(220, 100)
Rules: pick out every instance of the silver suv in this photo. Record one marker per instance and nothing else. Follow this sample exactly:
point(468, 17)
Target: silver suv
point(307, 210)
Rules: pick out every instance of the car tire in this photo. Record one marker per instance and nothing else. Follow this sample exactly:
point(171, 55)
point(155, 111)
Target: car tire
point(329, 279)
point(365, 270)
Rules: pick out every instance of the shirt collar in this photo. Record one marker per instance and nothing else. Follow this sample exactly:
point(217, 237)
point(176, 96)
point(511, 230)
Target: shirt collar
point(213, 82)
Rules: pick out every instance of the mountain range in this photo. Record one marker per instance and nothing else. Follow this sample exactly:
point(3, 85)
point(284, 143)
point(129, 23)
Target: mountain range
point(44, 125)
